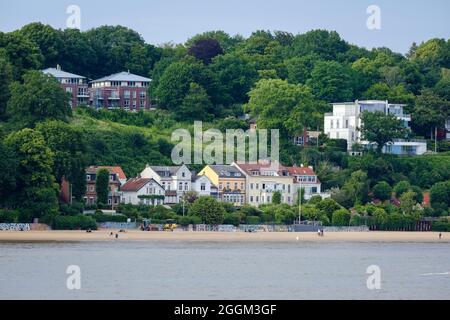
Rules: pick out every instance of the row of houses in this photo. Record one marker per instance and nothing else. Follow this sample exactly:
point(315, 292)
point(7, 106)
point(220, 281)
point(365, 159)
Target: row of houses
point(238, 184)
point(121, 90)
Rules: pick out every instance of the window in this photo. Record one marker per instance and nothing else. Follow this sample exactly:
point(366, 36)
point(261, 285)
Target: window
point(346, 123)
point(228, 185)
point(134, 104)
point(337, 124)
point(251, 198)
point(134, 94)
point(257, 186)
point(180, 186)
point(126, 94)
point(186, 186)
point(251, 186)
point(142, 95)
point(126, 103)
point(88, 177)
point(69, 90)
point(331, 123)
point(183, 174)
point(141, 103)
point(242, 186)
point(235, 186)
point(314, 189)
point(257, 199)
point(203, 186)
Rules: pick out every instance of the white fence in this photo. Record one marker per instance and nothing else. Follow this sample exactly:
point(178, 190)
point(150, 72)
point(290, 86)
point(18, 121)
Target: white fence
point(15, 226)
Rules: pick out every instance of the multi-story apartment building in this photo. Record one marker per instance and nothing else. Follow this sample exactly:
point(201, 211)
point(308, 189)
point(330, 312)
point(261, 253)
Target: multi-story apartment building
point(344, 121)
point(175, 180)
point(116, 179)
point(265, 178)
point(121, 90)
point(230, 183)
point(74, 84)
point(306, 179)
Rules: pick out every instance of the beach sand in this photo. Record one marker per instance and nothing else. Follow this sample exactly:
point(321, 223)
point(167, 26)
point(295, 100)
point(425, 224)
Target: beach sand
point(104, 235)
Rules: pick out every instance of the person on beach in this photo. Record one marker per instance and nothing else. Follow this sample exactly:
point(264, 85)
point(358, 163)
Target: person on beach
point(318, 232)
point(440, 235)
point(117, 236)
point(321, 232)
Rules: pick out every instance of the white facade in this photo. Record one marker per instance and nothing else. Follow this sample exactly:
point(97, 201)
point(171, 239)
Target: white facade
point(203, 186)
point(148, 188)
point(176, 180)
point(344, 121)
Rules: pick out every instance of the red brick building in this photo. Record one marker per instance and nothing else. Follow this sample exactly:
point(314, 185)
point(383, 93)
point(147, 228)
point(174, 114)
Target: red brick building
point(116, 179)
point(74, 84)
point(121, 90)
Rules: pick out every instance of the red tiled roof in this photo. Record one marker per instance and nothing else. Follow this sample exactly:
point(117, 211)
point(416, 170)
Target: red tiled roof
point(304, 171)
point(134, 184)
point(115, 169)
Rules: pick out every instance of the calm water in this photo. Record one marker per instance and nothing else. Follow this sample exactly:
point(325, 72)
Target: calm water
point(170, 270)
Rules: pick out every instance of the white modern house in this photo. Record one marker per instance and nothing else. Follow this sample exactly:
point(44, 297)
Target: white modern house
point(344, 121)
point(142, 191)
point(175, 180)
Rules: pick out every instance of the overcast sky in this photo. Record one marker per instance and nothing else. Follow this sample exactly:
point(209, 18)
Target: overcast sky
point(160, 21)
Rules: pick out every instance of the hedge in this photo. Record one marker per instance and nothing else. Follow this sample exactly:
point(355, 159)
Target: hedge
point(109, 218)
point(441, 226)
point(74, 223)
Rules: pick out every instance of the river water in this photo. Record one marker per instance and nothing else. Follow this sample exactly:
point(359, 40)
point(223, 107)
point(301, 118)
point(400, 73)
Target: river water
point(225, 270)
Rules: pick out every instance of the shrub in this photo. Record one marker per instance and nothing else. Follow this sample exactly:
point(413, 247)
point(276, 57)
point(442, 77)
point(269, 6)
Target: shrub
point(232, 218)
point(253, 220)
point(401, 187)
point(441, 226)
point(341, 217)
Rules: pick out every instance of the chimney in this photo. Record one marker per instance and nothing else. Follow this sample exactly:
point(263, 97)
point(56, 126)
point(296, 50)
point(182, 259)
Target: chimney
point(301, 165)
point(311, 167)
point(58, 67)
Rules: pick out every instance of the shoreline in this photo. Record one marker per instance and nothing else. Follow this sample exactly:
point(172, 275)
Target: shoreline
point(210, 236)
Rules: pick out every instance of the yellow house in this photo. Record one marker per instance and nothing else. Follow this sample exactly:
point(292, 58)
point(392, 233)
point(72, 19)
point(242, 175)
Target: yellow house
point(229, 181)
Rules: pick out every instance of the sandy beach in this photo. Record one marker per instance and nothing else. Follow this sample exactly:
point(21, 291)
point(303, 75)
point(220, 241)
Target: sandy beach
point(134, 235)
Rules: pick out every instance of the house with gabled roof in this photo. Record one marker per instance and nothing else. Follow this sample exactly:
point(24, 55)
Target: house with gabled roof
point(116, 179)
point(142, 191)
point(176, 180)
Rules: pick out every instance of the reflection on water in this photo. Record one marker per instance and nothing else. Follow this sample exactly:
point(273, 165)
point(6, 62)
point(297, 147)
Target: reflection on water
point(227, 270)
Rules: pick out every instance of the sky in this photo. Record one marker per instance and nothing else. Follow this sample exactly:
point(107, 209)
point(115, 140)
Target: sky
point(160, 21)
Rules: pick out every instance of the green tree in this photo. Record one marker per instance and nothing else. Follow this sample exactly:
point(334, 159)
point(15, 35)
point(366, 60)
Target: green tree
point(38, 98)
point(407, 202)
point(401, 187)
point(211, 211)
point(236, 75)
point(341, 217)
point(36, 192)
point(382, 191)
point(102, 186)
point(278, 104)
point(430, 112)
point(330, 81)
point(381, 129)
point(6, 74)
point(358, 187)
point(69, 151)
point(47, 39)
point(276, 197)
point(440, 196)
point(196, 105)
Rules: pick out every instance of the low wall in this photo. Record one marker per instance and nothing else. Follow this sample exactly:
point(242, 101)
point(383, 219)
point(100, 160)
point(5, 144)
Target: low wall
point(117, 225)
point(15, 226)
point(346, 229)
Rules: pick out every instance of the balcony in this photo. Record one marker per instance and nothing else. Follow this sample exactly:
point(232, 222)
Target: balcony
point(114, 96)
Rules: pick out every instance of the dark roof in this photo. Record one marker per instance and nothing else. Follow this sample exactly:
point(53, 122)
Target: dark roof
point(112, 169)
point(226, 171)
point(171, 169)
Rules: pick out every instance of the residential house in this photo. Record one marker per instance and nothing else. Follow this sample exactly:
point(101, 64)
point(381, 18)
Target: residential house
point(121, 90)
point(116, 179)
point(344, 121)
point(229, 181)
point(142, 191)
point(306, 179)
point(175, 180)
point(203, 186)
point(74, 84)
